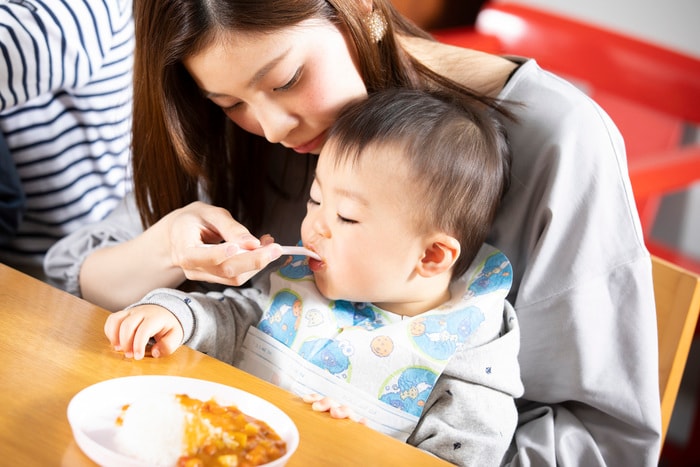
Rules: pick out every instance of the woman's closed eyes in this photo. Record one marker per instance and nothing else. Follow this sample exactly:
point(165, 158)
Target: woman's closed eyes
point(294, 80)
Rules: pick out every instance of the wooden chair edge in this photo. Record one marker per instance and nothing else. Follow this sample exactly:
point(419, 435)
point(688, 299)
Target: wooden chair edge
point(687, 297)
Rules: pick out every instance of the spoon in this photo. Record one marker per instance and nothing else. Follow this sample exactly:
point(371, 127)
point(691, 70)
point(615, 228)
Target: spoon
point(286, 250)
point(300, 250)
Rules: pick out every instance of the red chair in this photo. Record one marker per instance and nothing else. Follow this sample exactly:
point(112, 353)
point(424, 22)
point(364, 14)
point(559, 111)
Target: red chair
point(652, 94)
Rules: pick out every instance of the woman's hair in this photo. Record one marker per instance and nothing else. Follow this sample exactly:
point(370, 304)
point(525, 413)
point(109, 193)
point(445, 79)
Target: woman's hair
point(182, 142)
point(457, 156)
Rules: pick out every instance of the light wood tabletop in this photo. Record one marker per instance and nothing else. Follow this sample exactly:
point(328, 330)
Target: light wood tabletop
point(52, 346)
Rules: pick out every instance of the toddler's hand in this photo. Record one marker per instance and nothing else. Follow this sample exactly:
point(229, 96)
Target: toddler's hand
point(129, 331)
point(326, 404)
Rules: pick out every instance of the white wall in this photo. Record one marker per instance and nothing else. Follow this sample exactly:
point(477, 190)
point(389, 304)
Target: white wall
point(670, 23)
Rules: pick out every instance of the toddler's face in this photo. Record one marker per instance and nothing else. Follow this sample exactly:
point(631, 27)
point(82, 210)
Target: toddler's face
point(361, 220)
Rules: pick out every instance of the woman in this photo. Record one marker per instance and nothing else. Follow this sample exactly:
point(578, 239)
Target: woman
point(280, 71)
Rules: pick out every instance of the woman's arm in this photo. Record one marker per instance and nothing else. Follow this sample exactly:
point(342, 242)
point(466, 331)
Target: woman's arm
point(114, 263)
point(582, 283)
point(122, 273)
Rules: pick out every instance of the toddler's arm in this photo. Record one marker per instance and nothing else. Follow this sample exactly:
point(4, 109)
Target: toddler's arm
point(470, 416)
point(214, 323)
point(130, 330)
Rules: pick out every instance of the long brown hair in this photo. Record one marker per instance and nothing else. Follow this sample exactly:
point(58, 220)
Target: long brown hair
point(182, 143)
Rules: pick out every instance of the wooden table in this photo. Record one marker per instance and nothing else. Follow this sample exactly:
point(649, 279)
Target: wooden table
point(52, 346)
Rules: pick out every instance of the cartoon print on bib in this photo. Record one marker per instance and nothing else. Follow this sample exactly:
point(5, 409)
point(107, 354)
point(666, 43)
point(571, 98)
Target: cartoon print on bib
point(329, 354)
point(408, 389)
point(296, 267)
point(440, 335)
point(313, 317)
point(382, 346)
point(283, 318)
point(497, 273)
point(356, 314)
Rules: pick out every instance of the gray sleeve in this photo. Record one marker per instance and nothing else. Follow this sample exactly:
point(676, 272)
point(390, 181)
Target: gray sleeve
point(582, 289)
point(607, 365)
point(64, 259)
point(470, 416)
point(214, 323)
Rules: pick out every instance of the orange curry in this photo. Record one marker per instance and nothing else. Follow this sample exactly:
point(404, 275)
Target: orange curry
point(223, 436)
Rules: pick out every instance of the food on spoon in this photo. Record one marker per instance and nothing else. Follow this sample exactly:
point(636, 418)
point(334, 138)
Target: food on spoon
point(177, 430)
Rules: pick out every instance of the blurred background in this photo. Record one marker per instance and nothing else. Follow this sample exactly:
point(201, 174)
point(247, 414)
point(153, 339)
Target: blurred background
point(671, 24)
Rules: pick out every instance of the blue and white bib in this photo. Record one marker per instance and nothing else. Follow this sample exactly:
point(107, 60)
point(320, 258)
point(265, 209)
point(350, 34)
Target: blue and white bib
point(394, 360)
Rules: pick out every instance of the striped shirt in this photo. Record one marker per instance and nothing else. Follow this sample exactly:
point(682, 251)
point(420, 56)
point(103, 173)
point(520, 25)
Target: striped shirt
point(65, 114)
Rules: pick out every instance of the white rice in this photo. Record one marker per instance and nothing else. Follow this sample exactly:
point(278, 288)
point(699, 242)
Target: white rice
point(153, 430)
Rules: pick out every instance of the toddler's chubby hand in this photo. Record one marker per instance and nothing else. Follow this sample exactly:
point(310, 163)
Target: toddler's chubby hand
point(130, 330)
point(320, 403)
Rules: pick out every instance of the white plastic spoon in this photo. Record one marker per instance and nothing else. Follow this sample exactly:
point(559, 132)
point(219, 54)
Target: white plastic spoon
point(299, 250)
point(286, 250)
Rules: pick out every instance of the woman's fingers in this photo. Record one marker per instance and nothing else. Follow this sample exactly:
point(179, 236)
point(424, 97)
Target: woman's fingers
point(202, 224)
point(209, 245)
point(217, 225)
point(199, 223)
point(228, 263)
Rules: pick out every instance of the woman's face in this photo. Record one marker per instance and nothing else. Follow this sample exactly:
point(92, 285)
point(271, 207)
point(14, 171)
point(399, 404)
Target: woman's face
point(287, 86)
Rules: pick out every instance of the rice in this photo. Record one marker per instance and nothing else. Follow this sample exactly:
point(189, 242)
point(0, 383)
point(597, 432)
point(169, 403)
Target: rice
point(164, 430)
point(153, 430)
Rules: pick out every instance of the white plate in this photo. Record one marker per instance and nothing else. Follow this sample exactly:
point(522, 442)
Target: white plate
point(93, 411)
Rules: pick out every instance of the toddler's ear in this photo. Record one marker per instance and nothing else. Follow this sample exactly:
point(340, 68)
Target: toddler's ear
point(440, 255)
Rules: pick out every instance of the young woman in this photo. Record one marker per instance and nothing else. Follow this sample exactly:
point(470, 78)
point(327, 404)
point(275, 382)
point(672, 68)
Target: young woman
point(217, 82)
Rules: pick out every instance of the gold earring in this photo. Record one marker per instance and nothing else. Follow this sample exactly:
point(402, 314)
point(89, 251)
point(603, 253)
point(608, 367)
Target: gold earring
point(377, 25)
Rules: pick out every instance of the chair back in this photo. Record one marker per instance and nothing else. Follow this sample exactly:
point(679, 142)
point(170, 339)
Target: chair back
point(677, 296)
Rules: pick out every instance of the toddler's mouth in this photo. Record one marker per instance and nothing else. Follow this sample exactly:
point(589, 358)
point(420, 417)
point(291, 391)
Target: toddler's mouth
point(316, 265)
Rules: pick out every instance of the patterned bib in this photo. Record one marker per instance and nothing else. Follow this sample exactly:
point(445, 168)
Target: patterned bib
point(392, 358)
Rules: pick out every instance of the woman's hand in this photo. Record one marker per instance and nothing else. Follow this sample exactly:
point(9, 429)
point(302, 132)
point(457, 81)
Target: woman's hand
point(172, 250)
point(209, 245)
point(326, 404)
point(129, 331)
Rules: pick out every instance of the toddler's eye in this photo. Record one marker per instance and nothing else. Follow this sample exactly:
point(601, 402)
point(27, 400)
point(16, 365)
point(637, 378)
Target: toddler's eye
point(345, 220)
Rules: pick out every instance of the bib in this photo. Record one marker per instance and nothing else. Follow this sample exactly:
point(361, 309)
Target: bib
point(386, 363)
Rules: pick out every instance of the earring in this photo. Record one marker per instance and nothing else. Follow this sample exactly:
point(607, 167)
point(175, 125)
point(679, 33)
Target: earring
point(376, 24)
